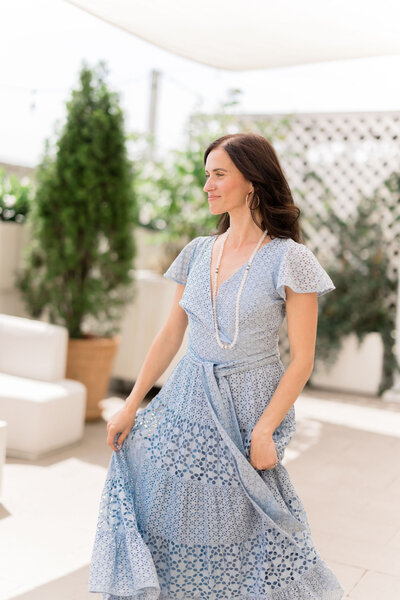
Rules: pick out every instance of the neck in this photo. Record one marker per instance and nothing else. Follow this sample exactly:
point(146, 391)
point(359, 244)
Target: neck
point(243, 233)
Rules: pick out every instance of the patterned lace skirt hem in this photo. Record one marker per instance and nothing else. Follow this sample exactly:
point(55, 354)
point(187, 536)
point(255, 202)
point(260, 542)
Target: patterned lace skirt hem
point(127, 580)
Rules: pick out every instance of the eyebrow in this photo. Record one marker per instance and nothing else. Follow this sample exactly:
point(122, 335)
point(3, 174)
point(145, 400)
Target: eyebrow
point(219, 169)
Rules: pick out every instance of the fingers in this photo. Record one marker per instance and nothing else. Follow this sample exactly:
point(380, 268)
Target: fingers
point(112, 442)
point(121, 439)
point(266, 468)
point(114, 439)
point(270, 467)
point(258, 457)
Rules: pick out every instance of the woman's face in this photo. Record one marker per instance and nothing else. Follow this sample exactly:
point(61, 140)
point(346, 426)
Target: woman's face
point(225, 185)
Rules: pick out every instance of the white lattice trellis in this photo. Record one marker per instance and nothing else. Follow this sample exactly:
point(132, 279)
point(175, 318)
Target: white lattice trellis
point(353, 154)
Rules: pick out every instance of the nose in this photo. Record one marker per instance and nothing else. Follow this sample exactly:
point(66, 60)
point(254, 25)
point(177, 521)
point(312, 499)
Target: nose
point(208, 185)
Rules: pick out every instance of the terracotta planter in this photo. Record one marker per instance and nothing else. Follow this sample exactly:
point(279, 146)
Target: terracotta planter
point(90, 360)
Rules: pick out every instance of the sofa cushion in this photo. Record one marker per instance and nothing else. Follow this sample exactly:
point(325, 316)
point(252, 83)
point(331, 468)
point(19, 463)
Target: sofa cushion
point(41, 416)
point(32, 349)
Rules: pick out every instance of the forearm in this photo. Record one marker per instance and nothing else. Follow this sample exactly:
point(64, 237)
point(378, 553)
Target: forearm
point(286, 393)
point(158, 358)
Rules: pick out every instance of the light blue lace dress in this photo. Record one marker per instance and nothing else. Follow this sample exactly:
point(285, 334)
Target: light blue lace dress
point(183, 514)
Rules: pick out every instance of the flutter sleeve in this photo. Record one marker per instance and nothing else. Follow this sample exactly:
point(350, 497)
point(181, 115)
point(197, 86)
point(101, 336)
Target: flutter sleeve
point(300, 270)
point(179, 269)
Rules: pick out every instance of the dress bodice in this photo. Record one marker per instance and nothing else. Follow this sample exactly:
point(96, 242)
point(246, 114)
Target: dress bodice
point(263, 300)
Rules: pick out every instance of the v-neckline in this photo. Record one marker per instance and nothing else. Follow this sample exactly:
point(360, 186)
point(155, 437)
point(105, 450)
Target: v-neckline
point(210, 293)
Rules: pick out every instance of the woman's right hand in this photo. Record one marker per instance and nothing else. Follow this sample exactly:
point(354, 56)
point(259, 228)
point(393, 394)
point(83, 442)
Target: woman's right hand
point(120, 423)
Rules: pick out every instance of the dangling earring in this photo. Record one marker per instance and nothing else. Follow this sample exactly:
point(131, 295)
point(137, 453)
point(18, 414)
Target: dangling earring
point(253, 207)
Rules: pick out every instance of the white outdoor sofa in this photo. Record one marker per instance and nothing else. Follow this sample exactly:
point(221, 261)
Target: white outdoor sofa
point(43, 410)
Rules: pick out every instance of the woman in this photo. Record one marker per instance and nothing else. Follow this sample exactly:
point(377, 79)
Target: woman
point(197, 504)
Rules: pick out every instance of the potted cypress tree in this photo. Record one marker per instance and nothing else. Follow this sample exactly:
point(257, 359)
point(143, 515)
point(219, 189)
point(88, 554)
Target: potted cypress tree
point(78, 266)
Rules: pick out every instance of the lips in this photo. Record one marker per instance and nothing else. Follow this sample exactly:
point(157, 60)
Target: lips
point(212, 197)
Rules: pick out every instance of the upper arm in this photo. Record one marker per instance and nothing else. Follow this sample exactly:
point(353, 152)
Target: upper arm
point(301, 280)
point(302, 321)
point(175, 326)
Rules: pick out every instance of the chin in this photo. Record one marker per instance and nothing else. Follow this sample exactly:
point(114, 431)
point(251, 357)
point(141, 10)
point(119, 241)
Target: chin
point(214, 210)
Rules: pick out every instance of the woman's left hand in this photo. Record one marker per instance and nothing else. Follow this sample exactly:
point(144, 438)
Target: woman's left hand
point(263, 453)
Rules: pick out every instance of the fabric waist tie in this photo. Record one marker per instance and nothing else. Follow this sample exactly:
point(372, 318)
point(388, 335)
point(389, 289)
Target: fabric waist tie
point(256, 489)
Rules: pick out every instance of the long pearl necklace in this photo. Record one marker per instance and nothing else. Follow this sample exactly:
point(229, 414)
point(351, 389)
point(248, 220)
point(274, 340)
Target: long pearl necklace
point(221, 344)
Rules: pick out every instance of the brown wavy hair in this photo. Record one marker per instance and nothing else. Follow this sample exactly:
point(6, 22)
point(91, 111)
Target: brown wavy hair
point(256, 159)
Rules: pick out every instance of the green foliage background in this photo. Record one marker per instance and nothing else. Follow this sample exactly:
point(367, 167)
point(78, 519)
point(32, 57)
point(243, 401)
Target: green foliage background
point(365, 297)
point(15, 197)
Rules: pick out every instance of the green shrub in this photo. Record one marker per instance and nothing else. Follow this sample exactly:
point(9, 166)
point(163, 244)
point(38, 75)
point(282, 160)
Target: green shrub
point(79, 264)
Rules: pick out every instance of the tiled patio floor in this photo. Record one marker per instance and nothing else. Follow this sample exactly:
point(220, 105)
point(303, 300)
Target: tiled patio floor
point(343, 461)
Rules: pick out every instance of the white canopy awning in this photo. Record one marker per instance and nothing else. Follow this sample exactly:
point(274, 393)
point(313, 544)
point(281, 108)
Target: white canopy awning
point(258, 34)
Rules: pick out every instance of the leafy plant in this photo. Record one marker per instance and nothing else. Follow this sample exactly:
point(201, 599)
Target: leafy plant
point(363, 300)
point(15, 197)
point(78, 265)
